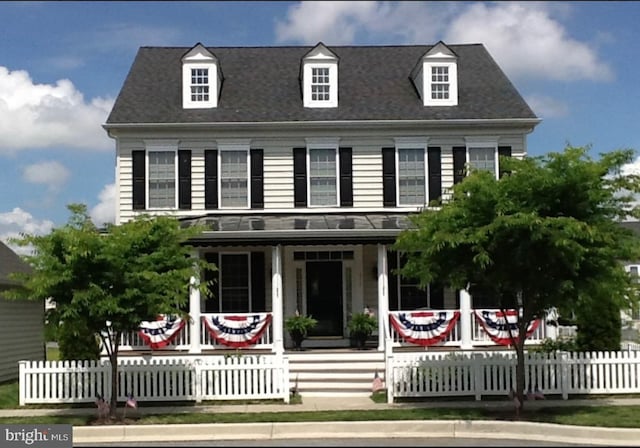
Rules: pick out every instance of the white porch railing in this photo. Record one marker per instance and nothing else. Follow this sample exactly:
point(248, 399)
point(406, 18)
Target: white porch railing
point(174, 378)
point(479, 337)
point(132, 341)
point(477, 374)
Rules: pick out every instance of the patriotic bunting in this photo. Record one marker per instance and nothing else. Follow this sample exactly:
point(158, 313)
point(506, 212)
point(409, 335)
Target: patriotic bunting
point(424, 327)
point(497, 324)
point(237, 331)
point(160, 332)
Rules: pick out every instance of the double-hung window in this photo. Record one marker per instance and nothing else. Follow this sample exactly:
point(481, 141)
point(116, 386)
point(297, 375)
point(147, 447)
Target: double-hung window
point(235, 291)
point(323, 177)
point(483, 159)
point(320, 84)
point(200, 84)
point(411, 176)
point(440, 82)
point(162, 173)
point(234, 178)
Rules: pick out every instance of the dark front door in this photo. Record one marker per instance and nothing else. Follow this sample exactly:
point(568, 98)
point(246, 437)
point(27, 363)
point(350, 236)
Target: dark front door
point(324, 297)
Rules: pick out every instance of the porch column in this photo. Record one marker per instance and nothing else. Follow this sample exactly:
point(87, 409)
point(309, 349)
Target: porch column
point(194, 314)
point(465, 320)
point(550, 330)
point(277, 300)
point(383, 297)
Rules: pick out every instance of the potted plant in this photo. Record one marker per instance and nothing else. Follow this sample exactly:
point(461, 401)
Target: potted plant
point(298, 327)
point(361, 326)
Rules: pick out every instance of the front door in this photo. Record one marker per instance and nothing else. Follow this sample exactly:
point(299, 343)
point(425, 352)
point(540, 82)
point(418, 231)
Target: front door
point(324, 297)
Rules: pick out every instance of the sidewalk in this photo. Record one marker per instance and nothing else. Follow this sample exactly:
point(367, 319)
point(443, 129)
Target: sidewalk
point(421, 428)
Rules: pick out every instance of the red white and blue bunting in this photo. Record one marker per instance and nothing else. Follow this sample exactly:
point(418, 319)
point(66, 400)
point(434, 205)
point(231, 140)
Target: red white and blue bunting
point(160, 332)
point(497, 324)
point(237, 331)
point(424, 327)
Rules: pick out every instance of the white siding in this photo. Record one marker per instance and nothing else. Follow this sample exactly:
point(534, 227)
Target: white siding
point(21, 335)
point(278, 176)
point(367, 176)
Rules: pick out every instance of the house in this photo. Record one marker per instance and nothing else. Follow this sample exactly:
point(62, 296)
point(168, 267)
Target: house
point(21, 322)
point(631, 318)
point(303, 163)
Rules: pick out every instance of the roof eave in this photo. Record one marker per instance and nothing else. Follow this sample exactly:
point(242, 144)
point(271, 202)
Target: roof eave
point(519, 122)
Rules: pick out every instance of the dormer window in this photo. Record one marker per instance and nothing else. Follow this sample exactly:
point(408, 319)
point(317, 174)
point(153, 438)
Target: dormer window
point(320, 84)
point(319, 73)
point(436, 77)
point(199, 85)
point(201, 79)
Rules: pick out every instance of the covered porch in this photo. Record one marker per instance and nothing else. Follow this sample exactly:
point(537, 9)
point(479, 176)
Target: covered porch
point(326, 266)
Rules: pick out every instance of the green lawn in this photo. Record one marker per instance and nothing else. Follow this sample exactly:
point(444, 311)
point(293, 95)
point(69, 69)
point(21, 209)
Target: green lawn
point(603, 416)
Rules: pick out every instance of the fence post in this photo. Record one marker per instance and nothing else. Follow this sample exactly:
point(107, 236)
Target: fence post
point(564, 375)
point(388, 369)
point(477, 367)
point(22, 381)
point(284, 369)
point(197, 380)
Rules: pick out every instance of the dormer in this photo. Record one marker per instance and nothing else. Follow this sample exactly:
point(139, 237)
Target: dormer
point(319, 73)
point(436, 76)
point(201, 79)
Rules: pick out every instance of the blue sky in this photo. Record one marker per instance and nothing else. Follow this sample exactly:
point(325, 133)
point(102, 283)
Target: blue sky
point(63, 63)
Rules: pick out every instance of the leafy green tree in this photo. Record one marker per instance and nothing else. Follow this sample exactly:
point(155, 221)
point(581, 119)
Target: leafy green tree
point(599, 326)
point(546, 234)
point(109, 281)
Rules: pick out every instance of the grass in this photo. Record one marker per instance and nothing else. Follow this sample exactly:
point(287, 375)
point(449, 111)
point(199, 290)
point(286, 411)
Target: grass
point(600, 416)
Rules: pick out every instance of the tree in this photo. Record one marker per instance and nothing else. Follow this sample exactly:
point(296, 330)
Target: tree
point(545, 234)
point(110, 281)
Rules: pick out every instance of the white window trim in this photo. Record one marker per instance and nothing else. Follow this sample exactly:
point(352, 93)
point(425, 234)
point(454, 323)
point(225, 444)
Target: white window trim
point(453, 83)
point(161, 146)
point(333, 84)
point(249, 273)
point(234, 146)
point(412, 143)
point(330, 143)
point(489, 142)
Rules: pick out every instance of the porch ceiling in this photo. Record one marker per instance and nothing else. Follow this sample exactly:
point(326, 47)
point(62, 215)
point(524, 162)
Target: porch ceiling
point(344, 228)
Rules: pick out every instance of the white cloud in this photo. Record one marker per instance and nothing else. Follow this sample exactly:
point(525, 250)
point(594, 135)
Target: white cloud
point(338, 22)
point(547, 107)
point(526, 39)
point(105, 210)
point(50, 173)
point(527, 42)
point(49, 115)
point(17, 222)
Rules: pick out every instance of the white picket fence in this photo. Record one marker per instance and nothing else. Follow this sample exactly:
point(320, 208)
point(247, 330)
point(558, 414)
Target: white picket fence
point(479, 374)
point(171, 378)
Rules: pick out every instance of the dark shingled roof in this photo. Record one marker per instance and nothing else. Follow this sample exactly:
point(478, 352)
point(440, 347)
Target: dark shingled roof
point(261, 84)
point(10, 262)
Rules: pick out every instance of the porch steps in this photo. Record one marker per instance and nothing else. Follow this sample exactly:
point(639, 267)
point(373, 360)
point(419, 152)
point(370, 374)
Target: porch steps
point(349, 373)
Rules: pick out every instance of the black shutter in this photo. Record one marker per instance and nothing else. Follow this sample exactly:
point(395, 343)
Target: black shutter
point(300, 177)
point(258, 302)
point(436, 296)
point(212, 301)
point(184, 179)
point(435, 173)
point(459, 162)
point(392, 264)
point(257, 178)
point(210, 179)
point(506, 152)
point(389, 177)
point(346, 177)
point(139, 180)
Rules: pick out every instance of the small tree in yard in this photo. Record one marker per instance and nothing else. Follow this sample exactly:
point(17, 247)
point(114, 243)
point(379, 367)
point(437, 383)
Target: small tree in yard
point(111, 281)
point(544, 235)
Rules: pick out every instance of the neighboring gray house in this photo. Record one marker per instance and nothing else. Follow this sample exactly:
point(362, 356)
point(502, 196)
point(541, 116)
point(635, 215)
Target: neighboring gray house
point(304, 163)
point(21, 321)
